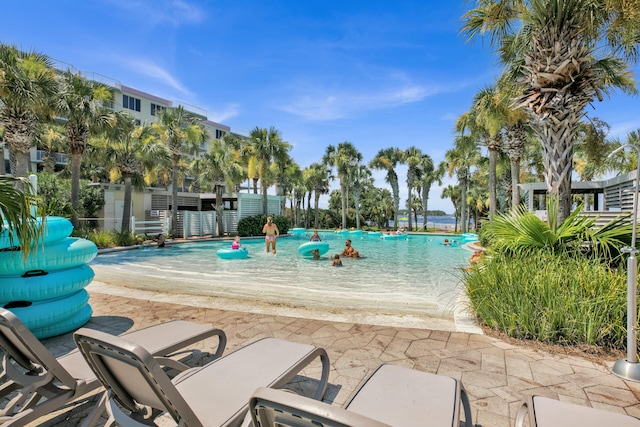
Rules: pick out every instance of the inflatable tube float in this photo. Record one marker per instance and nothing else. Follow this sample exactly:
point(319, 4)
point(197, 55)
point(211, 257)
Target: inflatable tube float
point(55, 228)
point(306, 249)
point(297, 231)
point(228, 253)
point(389, 237)
point(343, 231)
point(67, 325)
point(355, 232)
point(374, 234)
point(38, 285)
point(470, 237)
point(65, 253)
point(41, 314)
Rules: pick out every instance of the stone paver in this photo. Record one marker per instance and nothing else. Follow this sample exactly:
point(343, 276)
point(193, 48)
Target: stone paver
point(497, 375)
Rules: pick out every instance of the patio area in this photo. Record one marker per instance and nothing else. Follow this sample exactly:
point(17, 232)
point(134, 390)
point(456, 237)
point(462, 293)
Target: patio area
point(497, 375)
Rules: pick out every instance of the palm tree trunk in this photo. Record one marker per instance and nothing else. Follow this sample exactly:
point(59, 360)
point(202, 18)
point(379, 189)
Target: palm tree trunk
point(317, 209)
point(174, 198)
point(126, 210)
point(493, 199)
point(307, 216)
point(356, 199)
point(515, 180)
point(23, 161)
point(343, 188)
point(220, 209)
point(463, 202)
point(425, 200)
point(410, 203)
point(265, 203)
point(76, 161)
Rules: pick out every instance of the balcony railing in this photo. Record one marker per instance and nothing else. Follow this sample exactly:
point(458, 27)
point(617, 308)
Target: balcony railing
point(60, 157)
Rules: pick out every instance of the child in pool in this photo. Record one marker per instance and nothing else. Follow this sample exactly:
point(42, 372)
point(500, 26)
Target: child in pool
point(315, 237)
point(337, 262)
point(316, 254)
point(236, 243)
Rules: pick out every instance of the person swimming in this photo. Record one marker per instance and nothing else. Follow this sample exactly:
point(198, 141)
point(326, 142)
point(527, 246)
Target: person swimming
point(337, 262)
point(236, 243)
point(315, 237)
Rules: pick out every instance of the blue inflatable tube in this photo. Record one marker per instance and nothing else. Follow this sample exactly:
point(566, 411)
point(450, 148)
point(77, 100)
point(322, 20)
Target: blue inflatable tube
point(65, 253)
point(39, 285)
point(41, 314)
point(228, 253)
point(67, 325)
point(306, 249)
point(374, 234)
point(389, 237)
point(297, 231)
point(55, 228)
point(355, 232)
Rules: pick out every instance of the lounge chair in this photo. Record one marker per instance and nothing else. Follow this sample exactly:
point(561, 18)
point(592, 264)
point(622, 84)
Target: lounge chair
point(390, 396)
point(35, 382)
point(546, 412)
point(216, 394)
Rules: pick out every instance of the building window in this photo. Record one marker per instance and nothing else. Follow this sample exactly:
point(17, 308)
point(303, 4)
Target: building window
point(130, 102)
point(220, 134)
point(156, 109)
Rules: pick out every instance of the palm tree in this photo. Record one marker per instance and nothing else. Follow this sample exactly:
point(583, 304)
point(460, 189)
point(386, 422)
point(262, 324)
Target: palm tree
point(560, 54)
point(267, 146)
point(181, 133)
point(361, 178)
point(82, 104)
point(318, 177)
point(459, 160)
point(452, 192)
point(428, 175)
point(343, 157)
point(413, 159)
point(489, 114)
point(52, 140)
point(221, 169)
point(127, 152)
point(27, 86)
point(387, 159)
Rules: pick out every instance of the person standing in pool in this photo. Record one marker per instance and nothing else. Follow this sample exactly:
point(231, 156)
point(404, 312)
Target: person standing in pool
point(315, 237)
point(272, 232)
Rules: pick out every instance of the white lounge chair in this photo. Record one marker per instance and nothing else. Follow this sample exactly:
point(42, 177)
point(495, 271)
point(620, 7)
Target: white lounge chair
point(542, 411)
point(390, 396)
point(35, 383)
point(216, 394)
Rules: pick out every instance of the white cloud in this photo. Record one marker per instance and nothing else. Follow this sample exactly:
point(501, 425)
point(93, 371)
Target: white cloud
point(227, 112)
point(319, 106)
point(156, 72)
point(173, 12)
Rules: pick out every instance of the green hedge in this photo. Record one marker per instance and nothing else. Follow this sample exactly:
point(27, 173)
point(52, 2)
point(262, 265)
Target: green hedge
point(252, 225)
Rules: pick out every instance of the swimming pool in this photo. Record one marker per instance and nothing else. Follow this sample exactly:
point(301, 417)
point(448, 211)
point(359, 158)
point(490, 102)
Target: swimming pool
point(418, 275)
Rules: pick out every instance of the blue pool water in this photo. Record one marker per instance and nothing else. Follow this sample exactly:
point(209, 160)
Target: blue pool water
point(417, 275)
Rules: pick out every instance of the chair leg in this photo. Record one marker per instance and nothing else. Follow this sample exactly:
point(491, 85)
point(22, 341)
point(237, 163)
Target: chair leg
point(96, 412)
point(522, 415)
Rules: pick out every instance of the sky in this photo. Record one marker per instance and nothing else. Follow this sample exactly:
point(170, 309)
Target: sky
point(376, 73)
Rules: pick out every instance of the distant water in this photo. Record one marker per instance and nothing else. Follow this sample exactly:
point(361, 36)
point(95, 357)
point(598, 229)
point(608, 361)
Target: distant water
point(447, 222)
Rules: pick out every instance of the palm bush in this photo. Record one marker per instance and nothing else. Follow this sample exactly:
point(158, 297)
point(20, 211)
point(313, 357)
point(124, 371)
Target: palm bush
point(520, 232)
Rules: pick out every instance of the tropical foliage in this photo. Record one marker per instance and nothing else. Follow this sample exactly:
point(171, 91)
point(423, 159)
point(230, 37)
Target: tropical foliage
point(17, 221)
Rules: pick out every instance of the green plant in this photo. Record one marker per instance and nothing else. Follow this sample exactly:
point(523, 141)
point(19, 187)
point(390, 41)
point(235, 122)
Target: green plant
point(252, 225)
point(520, 232)
point(124, 238)
point(555, 298)
point(102, 239)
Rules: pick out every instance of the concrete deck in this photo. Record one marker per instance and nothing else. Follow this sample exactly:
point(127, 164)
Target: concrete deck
point(497, 375)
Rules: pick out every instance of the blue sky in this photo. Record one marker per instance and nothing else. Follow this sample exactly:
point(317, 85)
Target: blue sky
point(376, 73)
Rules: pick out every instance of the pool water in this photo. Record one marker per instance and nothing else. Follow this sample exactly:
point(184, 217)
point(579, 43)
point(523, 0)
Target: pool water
point(417, 274)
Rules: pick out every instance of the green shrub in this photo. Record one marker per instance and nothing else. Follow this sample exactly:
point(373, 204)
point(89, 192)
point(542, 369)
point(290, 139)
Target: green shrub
point(554, 298)
point(124, 238)
point(252, 225)
point(102, 239)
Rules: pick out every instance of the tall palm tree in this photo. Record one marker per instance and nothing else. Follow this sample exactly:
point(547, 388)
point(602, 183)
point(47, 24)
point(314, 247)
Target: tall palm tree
point(127, 151)
point(343, 157)
point(490, 117)
point(460, 159)
point(387, 160)
point(361, 178)
point(27, 86)
point(221, 170)
point(428, 175)
point(452, 192)
point(318, 176)
point(413, 159)
point(82, 104)
point(267, 145)
point(51, 139)
point(181, 134)
point(560, 54)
